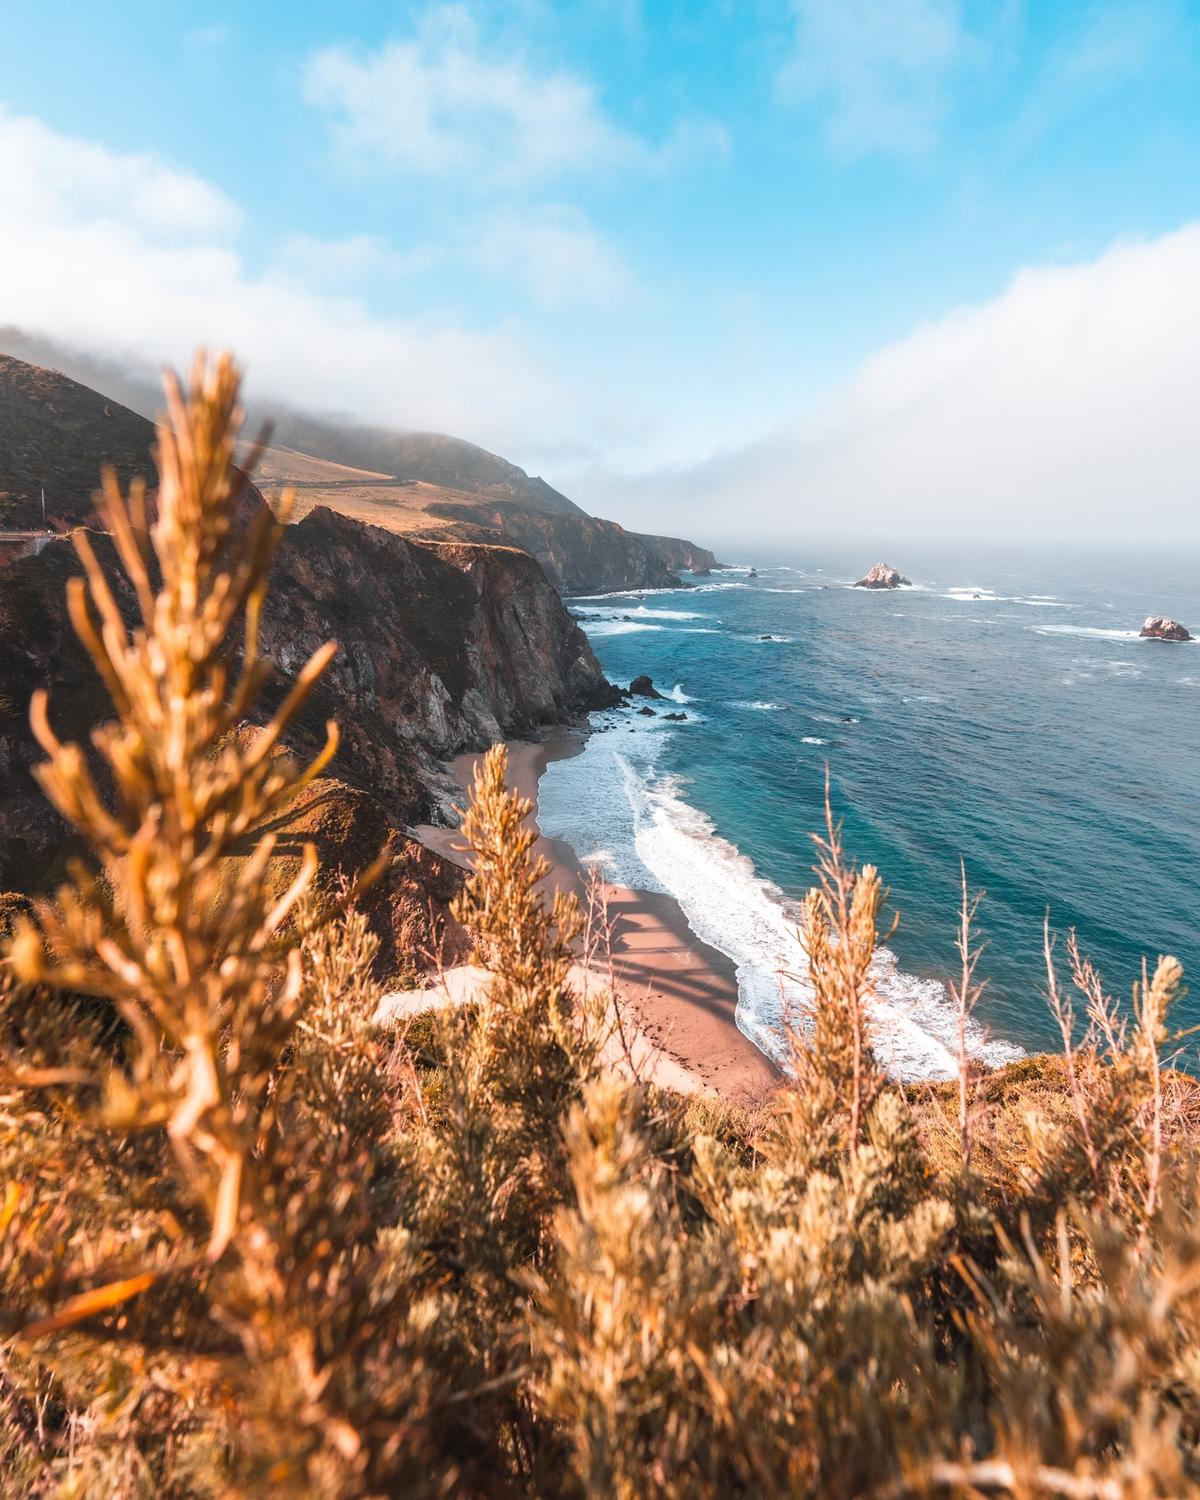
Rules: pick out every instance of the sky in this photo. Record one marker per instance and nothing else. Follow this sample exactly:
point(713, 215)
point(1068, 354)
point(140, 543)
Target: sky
point(776, 267)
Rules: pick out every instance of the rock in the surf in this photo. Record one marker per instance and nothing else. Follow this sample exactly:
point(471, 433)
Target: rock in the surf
point(1159, 628)
point(675, 718)
point(642, 687)
point(882, 577)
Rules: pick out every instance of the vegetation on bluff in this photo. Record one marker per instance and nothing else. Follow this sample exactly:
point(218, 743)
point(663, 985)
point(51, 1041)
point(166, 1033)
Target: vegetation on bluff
point(250, 1242)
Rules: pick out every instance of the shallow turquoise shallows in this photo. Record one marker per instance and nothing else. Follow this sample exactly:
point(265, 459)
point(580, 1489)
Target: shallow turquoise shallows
point(1003, 709)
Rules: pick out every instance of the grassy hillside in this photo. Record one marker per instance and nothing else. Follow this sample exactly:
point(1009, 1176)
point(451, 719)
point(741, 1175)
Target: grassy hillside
point(432, 457)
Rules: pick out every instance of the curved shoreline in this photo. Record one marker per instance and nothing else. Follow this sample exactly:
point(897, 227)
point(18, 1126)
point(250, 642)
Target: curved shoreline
point(681, 992)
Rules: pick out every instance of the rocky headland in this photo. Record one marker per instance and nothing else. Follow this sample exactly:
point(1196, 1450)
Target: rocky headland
point(445, 646)
point(679, 555)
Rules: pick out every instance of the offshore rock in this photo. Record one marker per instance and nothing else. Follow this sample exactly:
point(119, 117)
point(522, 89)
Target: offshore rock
point(1159, 628)
point(642, 687)
point(882, 577)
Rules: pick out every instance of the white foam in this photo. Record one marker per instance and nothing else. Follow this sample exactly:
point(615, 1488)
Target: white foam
point(1090, 630)
point(812, 739)
point(760, 707)
point(730, 906)
point(677, 694)
point(972, 594)
point(616, 612)
point(634, 594)
point(616, 627)
point(668, 614)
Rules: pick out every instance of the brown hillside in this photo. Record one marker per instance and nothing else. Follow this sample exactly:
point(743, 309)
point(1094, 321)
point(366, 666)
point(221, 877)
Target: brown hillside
point(433, 457)
point(55, 434)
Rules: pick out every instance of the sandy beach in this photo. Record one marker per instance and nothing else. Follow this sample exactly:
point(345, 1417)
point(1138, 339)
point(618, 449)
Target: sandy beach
point(680, 993)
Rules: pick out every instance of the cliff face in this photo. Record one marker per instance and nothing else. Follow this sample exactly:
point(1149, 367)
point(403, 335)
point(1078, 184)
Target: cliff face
point(679, 555)
point(580, 554)
point(442, 649)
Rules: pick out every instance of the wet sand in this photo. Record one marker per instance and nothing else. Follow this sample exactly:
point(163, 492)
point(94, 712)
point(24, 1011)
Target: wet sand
point(681, 993)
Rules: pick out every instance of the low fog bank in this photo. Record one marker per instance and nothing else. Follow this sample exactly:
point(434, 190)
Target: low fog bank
point(1061, 411)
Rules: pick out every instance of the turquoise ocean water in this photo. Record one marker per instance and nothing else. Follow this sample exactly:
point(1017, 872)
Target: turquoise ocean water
point(1002, 710)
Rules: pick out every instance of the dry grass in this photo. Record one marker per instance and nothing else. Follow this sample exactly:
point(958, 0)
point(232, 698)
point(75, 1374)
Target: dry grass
point(251, 1243)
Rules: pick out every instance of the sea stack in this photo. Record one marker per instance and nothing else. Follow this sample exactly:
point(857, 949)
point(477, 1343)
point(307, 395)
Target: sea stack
point(1159, 628)
point(642, 687)
point(882, 577)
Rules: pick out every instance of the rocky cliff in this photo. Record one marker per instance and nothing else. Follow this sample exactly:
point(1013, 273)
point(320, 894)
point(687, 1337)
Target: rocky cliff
point(679, 555)
point(442, 649)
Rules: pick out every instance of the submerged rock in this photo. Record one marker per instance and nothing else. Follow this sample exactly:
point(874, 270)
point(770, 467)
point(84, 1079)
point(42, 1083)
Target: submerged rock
point(1159, 628)
point(642, 687)
point(882, 577)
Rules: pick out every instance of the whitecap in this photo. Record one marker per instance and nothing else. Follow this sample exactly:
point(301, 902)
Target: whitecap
point(610, 612)
point(1089, 630)
point(977, 594)
point(760, 707)
point(616, 627)
point(812, 739)
point(677, 694)
point(634, 594)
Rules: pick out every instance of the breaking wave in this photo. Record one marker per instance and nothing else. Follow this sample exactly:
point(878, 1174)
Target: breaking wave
point(616, 808)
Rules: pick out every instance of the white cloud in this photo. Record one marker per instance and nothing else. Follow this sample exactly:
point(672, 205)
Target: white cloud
point(1063, 409)
point(442, 104)
point(53, 178)
point(879, 68)
point(555, 253)
point(117, 254)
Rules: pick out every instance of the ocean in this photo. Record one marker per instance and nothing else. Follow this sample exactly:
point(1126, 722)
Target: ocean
point(1002, 710)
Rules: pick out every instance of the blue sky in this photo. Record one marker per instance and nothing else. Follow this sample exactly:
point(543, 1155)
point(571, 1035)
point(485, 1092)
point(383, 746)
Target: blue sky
point(610, 238)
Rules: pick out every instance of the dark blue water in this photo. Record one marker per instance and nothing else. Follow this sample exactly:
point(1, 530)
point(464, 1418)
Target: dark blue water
point(1027, 731)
